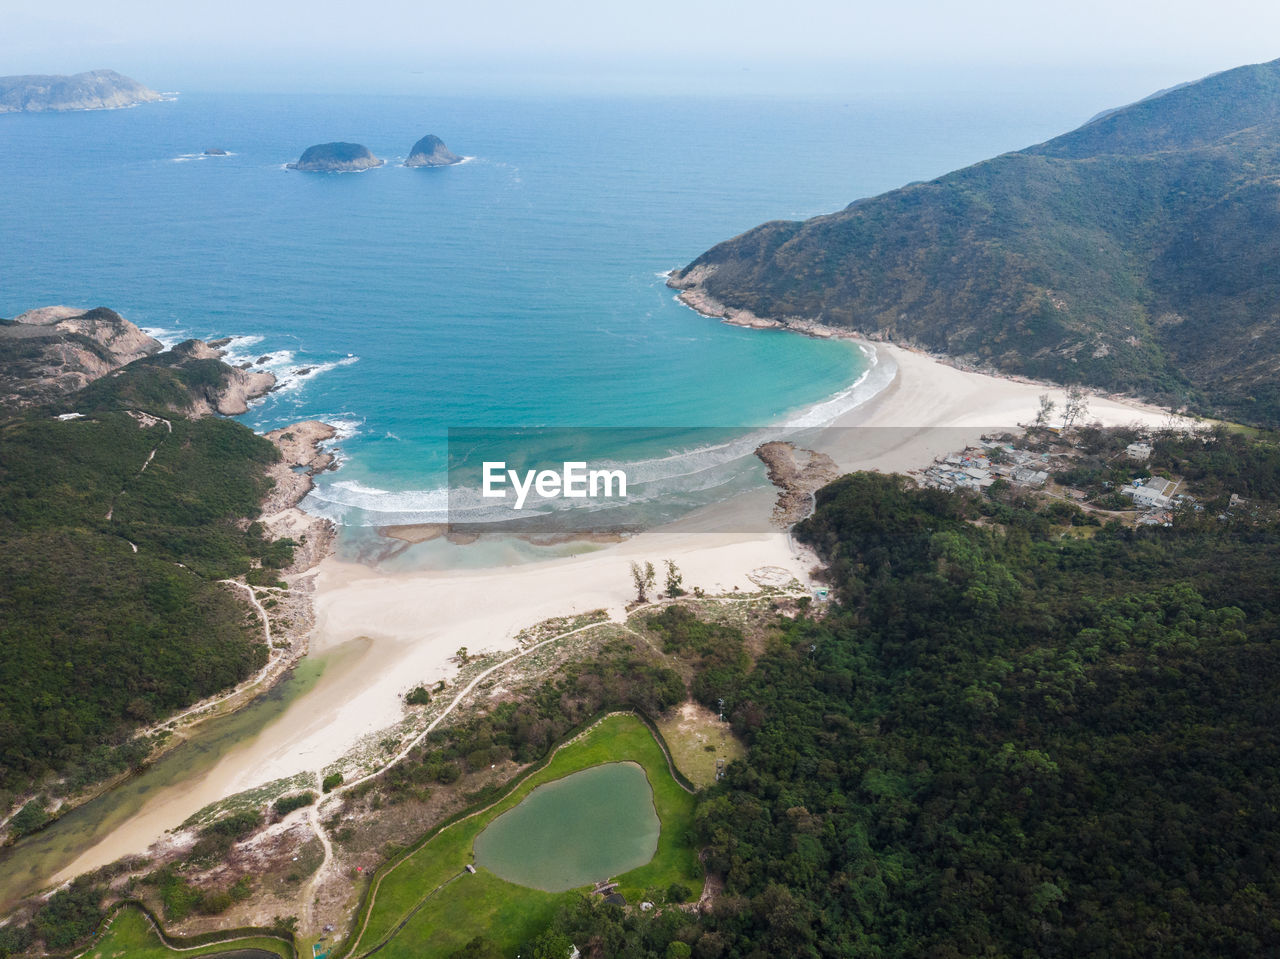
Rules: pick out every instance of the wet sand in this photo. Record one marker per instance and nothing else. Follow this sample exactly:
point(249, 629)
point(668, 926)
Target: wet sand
point(413, 623)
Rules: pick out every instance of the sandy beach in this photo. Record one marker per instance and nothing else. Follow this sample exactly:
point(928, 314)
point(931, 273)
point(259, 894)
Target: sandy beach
point(396, 630)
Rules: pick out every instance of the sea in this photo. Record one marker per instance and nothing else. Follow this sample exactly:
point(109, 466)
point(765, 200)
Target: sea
point(520, 291)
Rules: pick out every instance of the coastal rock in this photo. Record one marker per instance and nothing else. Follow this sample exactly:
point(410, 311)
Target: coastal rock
point(237, 389)
point(336, 157)
point(301, 458)
point(216, 152)
point(431, 151)
point(95, 90)
point(54, 350)
point(798, 474)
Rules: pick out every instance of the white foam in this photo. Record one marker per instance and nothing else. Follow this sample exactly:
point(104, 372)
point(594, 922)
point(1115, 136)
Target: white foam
point(337, 500)
point(345, 424)
point(293, 378)
point(188, 157)
point(875, 378)
point(290, 373)
point(168, 338)
point(681, 473)
point(355, 486)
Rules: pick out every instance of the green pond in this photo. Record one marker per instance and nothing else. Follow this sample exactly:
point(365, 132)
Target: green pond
point(594, 824)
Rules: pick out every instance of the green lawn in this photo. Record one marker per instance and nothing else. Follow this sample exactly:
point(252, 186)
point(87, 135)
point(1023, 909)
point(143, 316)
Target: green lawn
point(483, 904)
point(130, 936)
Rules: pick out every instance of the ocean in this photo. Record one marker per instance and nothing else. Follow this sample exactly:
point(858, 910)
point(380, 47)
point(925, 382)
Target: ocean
point(521, 289)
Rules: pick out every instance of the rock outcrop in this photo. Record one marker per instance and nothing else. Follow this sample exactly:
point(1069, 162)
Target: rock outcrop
point(431, 151)
point(798, 474)
point(235, 391)
point(55, 350)
point(96, 90)
point(48, 353)
point(336, 157)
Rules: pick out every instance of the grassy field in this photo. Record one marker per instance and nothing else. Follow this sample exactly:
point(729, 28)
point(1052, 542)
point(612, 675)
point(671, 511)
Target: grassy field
point(130, 936)
point(483, 904)
point(697, 738)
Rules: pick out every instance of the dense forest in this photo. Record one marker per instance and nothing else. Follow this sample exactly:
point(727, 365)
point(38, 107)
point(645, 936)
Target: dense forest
point(1010, 736)
point(1136, 253)
point(114, 528)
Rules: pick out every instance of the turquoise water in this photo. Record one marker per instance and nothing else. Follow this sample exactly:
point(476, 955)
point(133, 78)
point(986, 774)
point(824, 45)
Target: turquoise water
point(522, 288)
point(592, 825)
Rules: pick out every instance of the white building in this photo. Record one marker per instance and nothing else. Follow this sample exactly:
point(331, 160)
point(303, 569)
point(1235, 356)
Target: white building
point(1147, 496)
point(1138, 451)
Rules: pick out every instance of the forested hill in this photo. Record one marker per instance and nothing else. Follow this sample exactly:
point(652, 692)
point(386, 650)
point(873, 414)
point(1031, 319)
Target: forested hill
point(1140, 252)
point(118, 514)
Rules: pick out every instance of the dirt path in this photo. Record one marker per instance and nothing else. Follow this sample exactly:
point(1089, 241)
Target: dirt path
point(313, 813)
point(144, 420)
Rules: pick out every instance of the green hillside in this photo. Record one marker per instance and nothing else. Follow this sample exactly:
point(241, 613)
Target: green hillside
point(1137, 253)
point(111, 615)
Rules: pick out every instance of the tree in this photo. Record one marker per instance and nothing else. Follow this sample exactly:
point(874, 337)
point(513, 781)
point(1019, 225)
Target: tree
point(1076, 407)
point(644, 577)
point(462, 654)
point(1044, 413)
point(675, 581)
point(552, 945)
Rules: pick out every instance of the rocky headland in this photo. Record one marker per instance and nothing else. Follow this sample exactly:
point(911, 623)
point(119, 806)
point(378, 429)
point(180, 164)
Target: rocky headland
point(336, 157)
point(49, 353)
point(798, 474)
point(55, 350)
point(238, 386)
point(95, 90)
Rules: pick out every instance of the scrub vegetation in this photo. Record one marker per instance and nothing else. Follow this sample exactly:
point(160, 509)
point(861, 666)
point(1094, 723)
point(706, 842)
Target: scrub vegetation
point(114, 529)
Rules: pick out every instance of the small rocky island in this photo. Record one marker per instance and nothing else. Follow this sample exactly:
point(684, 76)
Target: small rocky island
point(216, 152)
point(95, 90)
point(336, 158)
point(431, 151)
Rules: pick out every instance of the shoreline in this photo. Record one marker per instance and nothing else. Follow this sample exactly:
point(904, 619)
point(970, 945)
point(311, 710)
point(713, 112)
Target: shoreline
point(706, 305)
point(408, 625)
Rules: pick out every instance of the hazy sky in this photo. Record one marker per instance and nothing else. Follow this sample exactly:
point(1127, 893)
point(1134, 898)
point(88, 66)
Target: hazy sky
point(716, 46)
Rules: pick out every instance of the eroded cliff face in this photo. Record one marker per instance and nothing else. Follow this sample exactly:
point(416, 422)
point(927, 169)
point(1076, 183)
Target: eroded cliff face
point(51, 352)
point(54, 350)
point(239, 387)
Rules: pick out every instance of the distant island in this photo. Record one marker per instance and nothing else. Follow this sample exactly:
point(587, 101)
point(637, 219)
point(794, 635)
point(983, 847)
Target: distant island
point(95, 90)
point(1136, 253)
point(336, 158)
point(430, 151)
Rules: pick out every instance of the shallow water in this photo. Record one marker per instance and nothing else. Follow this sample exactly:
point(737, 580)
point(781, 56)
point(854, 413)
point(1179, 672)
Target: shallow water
point(31, 863)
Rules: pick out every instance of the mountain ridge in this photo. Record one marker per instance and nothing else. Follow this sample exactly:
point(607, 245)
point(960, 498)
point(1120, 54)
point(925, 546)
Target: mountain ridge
point(1135, 253)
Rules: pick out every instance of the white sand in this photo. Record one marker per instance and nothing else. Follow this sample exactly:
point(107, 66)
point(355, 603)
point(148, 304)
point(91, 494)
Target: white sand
point(415, 622)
